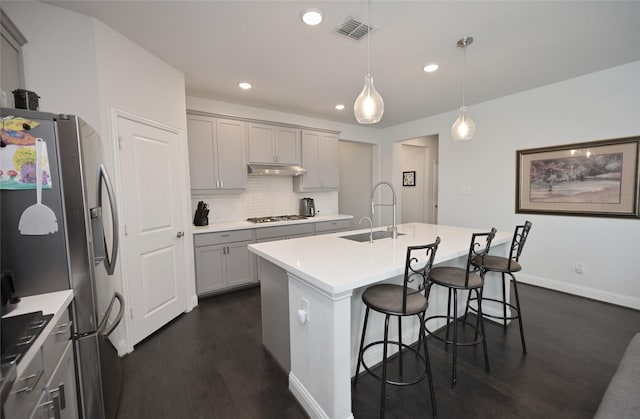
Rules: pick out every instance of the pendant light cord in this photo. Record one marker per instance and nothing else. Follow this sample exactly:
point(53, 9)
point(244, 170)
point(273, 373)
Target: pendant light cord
point(369, 38)
point(464, 66)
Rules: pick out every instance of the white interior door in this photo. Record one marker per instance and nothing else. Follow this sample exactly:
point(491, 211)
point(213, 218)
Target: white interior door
point(153, 217)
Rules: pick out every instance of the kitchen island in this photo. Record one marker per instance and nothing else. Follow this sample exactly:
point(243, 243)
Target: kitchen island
point(312, 311)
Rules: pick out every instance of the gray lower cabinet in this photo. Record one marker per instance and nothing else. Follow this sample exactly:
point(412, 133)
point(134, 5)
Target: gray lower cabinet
point(223, 261)
point(59, 399)
point(284, 232)
point(326, 227)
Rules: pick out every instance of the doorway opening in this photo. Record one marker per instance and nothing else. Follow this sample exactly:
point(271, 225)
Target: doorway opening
point(419, 199)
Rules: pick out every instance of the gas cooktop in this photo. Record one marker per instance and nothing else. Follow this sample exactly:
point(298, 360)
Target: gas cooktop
point(275, 218)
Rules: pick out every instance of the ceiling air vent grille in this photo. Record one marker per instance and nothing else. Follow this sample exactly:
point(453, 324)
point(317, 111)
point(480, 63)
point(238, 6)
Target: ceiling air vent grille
point(354, 28)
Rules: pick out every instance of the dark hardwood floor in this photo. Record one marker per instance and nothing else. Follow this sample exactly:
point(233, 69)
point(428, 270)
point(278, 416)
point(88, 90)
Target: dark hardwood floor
point(210, 364)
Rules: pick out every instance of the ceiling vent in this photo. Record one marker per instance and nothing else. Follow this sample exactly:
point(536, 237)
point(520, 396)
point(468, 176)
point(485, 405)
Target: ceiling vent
point(354, 28)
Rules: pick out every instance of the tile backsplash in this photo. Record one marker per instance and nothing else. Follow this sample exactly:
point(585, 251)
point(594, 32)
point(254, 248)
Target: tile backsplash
point(265, 195)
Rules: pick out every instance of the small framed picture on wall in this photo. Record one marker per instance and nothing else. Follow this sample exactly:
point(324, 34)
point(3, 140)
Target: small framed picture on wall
point(409, 178)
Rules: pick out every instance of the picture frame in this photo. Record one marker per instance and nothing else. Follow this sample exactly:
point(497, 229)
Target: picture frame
point(409, 178)
point(594, 179)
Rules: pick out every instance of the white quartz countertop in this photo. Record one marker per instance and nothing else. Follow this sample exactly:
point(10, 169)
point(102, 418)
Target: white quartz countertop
point(51, 303)
point(241, 225)
point(335, 265)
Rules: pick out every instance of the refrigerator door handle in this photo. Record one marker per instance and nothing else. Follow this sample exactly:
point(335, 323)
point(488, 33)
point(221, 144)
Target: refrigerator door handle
point(110, 257)
point(103, 328)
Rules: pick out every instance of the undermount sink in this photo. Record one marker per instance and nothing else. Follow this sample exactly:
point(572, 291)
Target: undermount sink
point(364, 237)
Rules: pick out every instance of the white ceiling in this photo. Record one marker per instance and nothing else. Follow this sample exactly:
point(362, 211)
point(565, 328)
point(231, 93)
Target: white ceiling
point(519, 45)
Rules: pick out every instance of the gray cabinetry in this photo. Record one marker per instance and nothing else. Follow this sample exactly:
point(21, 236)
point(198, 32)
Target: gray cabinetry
point(335, 226)
point(284, 232)
point(320, 159)
point(216, 153)
point(274, 144)
point(59, 399)
point(47, 388)
point(223, 261)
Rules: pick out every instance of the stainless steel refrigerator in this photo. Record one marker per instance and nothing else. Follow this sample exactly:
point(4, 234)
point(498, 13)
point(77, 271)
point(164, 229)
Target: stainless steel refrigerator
point(76, 253)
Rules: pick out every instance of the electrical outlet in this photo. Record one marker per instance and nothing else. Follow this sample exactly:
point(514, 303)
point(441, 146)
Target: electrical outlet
point(579, 267)
point(304, 304)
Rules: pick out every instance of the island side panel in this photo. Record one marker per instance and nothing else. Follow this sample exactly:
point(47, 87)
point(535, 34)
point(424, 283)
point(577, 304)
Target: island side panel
point(320, 376)
point(274, 297)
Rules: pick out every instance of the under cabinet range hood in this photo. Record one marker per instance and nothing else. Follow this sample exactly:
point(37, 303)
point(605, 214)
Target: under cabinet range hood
point(266, 169)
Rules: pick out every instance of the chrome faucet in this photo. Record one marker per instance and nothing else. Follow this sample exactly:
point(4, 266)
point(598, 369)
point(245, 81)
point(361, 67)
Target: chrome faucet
point(370, 227)
point(394, 228)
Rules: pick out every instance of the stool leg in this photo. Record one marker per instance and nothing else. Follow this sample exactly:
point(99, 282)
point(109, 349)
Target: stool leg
point(455, 337)
point(364, 330)
point(484, 335)
point(432, 393)
point(383, 394)
point(448, 317)
point(400, 345)
point(515, 289)
point(504, 301)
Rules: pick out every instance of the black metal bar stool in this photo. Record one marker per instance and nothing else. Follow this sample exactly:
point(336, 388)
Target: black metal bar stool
point(506, 266)
point(468, 279)
point(401, 301)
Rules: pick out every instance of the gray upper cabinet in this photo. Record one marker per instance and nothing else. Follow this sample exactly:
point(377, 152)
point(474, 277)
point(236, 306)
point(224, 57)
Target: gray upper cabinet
point(12, 74)
point(274, 144)
point(216, 153)
point(320, 159)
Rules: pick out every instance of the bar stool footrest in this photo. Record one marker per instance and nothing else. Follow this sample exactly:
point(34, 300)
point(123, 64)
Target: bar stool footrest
point(450, 342)
point(504, 303)
point(404, 346)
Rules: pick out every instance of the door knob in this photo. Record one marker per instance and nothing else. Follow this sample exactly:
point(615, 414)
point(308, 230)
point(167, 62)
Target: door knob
point(180, 234)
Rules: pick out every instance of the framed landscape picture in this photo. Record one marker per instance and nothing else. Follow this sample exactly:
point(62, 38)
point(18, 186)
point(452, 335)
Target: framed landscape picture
point(598, 179)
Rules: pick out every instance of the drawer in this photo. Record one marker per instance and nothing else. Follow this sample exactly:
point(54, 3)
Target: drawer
point(285, 231)
point(333, 226)
point(26, 391)
point(55, 343)
point(223, 237)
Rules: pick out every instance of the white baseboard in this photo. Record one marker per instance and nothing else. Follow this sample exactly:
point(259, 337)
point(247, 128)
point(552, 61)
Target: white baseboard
point(309, 404)
point(593, 293)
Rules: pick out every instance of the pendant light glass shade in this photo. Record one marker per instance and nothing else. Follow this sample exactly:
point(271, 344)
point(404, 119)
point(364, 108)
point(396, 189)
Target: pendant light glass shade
point(369, 105)
point(464, 127)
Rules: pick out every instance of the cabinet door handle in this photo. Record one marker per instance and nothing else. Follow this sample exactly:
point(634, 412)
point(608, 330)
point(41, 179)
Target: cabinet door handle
point(62, 402)
point(35, 378)
point(180, 234)
point(52, 404)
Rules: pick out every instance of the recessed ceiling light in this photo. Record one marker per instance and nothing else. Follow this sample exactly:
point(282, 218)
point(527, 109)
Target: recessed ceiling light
point(244, 85)
point(312, 17)
point(431, 68)
point(339, 107)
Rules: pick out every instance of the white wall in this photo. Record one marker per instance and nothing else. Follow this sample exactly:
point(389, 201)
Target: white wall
point(59, 59)
point(597, 106)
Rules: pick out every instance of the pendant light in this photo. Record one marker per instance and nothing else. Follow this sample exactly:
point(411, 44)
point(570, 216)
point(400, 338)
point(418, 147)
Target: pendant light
point(369, 105)
point(464, 127)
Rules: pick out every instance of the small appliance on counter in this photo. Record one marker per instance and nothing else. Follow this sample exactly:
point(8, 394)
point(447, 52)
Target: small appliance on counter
point(9, 297)
point(202, 214)
point(307, 207)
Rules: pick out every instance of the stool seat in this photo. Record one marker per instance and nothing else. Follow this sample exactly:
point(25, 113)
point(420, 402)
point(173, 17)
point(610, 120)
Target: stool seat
point(498, 264)
point(387, 298)
point(452, 277)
